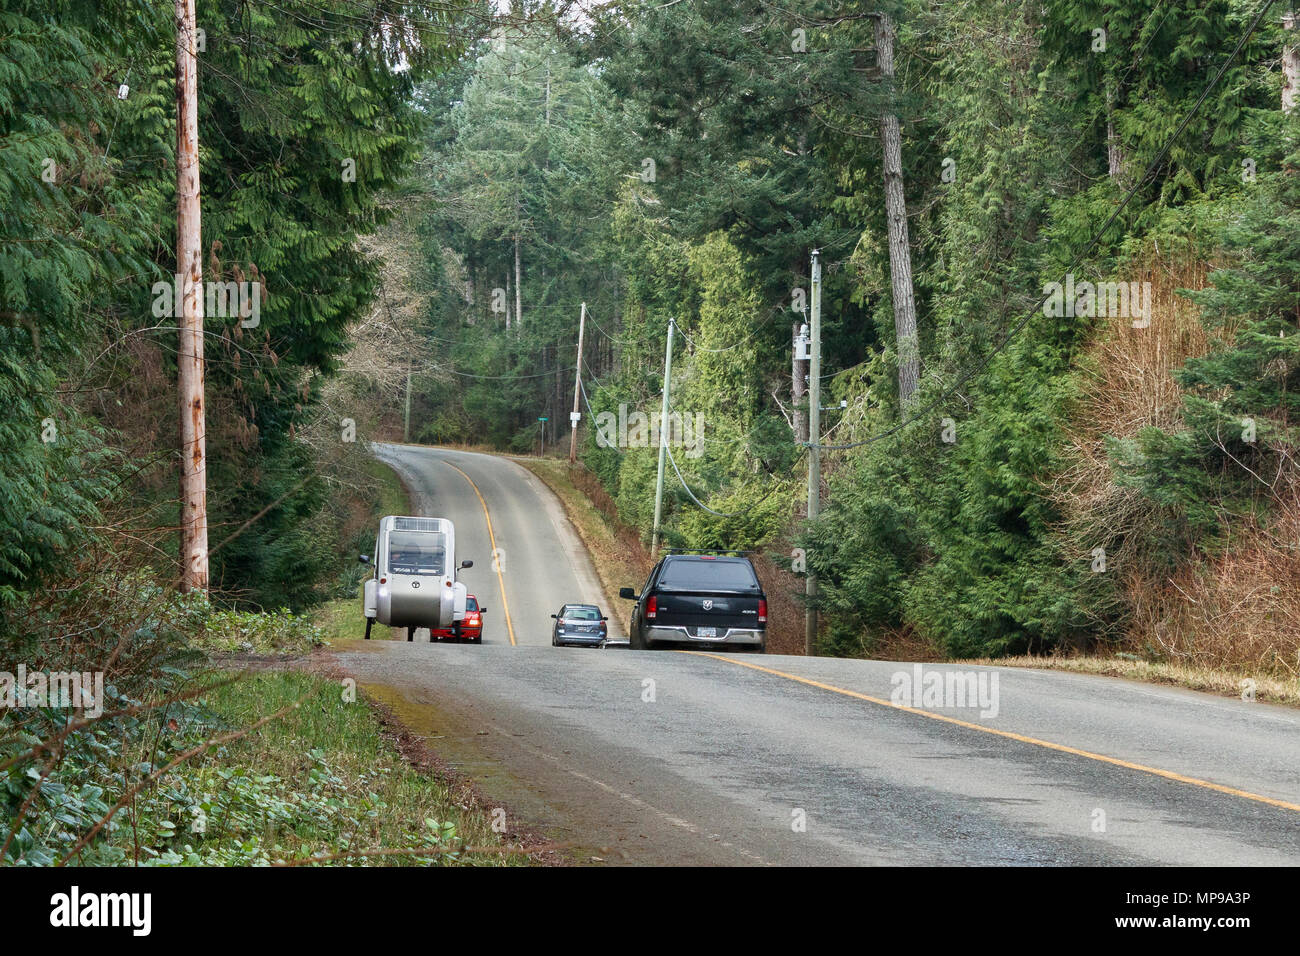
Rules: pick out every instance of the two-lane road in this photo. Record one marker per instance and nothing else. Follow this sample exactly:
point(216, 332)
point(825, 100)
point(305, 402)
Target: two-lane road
point(528, 560)
point(656, 757)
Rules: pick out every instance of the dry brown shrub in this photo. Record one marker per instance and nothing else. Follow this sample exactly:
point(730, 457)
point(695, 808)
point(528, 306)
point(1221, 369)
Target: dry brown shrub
point(785, 607)
point(1240, 609)
point(1126, 385)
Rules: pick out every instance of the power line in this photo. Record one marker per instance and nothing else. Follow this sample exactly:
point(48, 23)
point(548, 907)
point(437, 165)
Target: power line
point(441, 368)
point(582, 386)
point(616, 339)
point(698, 503)
point(701, 348)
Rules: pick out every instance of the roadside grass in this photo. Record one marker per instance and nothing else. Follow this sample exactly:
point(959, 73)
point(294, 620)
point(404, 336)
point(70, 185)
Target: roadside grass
point(319, 781)
point(616, 562)
point(258, 632)
point(341, 618)
point(1224, 683)
point(392, 494)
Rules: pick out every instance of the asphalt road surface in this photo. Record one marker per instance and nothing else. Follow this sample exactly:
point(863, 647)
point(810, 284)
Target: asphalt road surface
point(528, 564)
point(671, 758)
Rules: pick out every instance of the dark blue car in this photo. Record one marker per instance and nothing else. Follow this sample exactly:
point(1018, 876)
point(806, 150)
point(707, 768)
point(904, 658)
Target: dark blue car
point(579, 624)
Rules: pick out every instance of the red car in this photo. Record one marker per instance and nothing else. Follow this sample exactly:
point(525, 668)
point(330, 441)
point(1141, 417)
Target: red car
point(471, 629)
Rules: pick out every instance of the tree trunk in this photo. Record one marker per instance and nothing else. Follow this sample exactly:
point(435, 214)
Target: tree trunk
point(519, 299)
point(900, 254)
point(1290, 63)
point(189, 269)
point(470, 298)
point(1114, 149)
point(1114, 158)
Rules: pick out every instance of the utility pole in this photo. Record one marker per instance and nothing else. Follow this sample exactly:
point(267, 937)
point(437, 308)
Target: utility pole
point(663, 442)
point(189, 269)
point(577, 385)
point(406, 417)
point(541, 422)
point(814, 439)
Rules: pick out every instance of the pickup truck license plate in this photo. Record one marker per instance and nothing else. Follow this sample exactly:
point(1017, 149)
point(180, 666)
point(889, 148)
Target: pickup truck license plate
point(706, 632)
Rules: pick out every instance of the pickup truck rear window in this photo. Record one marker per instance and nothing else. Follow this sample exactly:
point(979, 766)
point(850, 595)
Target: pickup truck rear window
point(705, 575)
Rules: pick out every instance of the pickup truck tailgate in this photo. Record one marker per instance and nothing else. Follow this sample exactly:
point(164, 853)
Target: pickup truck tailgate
point(712, 609)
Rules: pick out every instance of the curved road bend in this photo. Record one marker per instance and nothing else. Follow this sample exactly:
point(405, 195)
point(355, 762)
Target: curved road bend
point(669, 758)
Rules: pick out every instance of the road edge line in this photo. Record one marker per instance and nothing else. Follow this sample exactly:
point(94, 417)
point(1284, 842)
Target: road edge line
point(1010, 735)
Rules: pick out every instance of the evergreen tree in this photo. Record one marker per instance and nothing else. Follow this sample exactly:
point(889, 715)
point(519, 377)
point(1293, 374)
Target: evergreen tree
point(1235, 451)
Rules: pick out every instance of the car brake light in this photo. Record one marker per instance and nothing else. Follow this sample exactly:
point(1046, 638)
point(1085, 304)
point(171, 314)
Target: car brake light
point(651, 606)
point(762, 610)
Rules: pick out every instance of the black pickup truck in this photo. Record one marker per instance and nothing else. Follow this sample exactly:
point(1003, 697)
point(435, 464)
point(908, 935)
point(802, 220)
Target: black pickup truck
point(700, 599)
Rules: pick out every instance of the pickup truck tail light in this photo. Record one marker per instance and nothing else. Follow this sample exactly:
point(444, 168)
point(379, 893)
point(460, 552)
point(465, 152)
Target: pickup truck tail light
point(651, 607)
point(762, 610)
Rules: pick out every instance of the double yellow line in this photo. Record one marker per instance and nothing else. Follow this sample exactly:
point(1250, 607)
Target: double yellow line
point(501, 581)
point(1062, 748)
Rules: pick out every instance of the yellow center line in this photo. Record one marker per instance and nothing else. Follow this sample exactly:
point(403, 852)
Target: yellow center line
point(505, 604)
point(1166, 774)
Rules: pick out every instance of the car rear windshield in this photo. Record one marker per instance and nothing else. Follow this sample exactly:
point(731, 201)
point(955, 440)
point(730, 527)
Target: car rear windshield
point(581, 614)
point(702, 574)
point(471, 604)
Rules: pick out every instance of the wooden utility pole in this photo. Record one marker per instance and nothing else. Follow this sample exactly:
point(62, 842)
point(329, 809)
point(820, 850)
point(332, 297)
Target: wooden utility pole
point(189, 267)
point(663, 442)
point(1290, 63)
point(900, 254)
point(577, 386)
point(814, 439)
